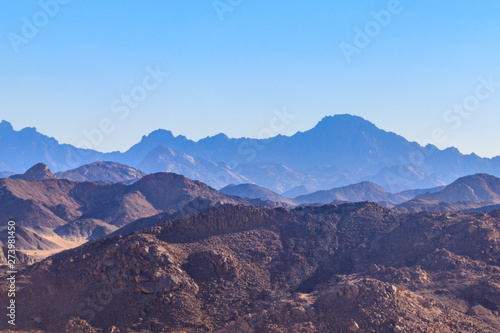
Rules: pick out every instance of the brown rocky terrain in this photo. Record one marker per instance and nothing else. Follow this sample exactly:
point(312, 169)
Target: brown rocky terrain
point(239, 268)
point(90, 210)
point(37, 172)
point(21, 258)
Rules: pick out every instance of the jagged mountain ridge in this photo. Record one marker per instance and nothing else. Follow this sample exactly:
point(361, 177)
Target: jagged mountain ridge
point(338, 151)
point(20, 150)
point(164, 159)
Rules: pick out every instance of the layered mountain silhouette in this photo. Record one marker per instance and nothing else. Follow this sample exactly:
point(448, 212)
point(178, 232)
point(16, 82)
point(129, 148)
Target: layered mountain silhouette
point(142, 241)
point(79, 211)
point(476, 188)
point(97, 171)
point(474, 192)
point(364, 191)
point(20, 150)
point(296, 191)
point(255, 192)
point(340, 150)
point(164, 159)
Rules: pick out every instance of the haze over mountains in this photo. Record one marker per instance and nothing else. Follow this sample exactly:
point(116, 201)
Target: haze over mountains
point(340, 150)
point(255, 192)
point(364, 191)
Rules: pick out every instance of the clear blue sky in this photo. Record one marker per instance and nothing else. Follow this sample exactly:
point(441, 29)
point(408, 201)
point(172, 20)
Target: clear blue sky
point(229, 75)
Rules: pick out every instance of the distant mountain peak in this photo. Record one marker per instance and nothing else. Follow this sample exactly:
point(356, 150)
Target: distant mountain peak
point(5, 126)
point(218, 137)
point(103, 171)
point(344, 118)
point(254, 191)
point(342, 123)
point(363, 191)
point(39, 171)
point(480, 187)
point(29, 130)
point(159, 134)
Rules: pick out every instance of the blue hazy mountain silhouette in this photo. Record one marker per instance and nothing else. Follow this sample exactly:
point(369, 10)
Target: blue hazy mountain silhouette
point(339, 150)
point(20, 150)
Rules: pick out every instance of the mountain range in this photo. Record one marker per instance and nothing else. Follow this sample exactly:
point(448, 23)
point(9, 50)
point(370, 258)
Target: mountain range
point(340, 150)
point(161, 252)
point(49, 211)
point(364, 191)
point(61, 210)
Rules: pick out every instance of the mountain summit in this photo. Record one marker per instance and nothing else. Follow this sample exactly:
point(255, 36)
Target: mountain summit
point(37, 172)
point(475, 188)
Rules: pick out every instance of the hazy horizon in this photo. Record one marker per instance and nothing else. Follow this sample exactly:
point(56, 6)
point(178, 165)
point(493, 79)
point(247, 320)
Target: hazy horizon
point(230, 137)
point(68, 67)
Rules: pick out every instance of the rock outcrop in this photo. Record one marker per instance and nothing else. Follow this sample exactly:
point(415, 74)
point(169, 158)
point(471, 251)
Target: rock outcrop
point(236, 268)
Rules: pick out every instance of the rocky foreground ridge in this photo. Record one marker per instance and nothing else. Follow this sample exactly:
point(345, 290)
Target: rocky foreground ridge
point(238, 268)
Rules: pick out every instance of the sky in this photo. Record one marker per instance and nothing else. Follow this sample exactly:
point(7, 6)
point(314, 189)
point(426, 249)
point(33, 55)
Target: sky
point(113, 71)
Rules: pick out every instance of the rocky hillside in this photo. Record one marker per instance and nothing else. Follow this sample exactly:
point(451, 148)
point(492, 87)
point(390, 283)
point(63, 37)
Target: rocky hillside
point(234, 268)
point(89, 210)
point(103, 171)
point(37, 172)
point(475, 188)
point(20, 257)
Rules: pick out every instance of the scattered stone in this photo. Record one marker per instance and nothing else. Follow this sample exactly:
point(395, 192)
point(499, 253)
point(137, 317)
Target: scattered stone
point(354, 327)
